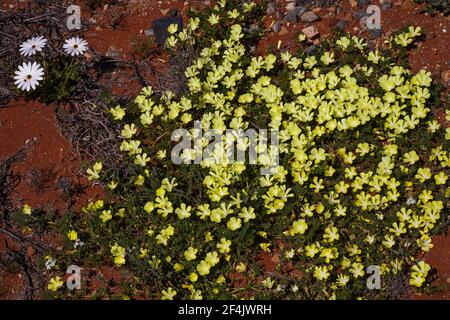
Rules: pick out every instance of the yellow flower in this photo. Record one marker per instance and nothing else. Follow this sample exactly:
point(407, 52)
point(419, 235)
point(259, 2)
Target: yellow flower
point(119, 260)
point(112, 185)
point(149, 206)
point(331, 234)
point(220, 279)
point(212, 258)
point(178, 267)
point(105, 215)
point(173, 27)
point(298, 227)
point(168, 294)
point(224, 245)
point(118, 113)
point(411, 157)
point(72, 235)
point(213, 19)
point(55, 283)
point(321, 273)
point(26, 209)
point(440, 178)
point(416, 279)
point(241, 267)
point(142, 253)
point(183, 212)
point(193, 277)
point(94, 173)
point(447, 134)
point(119, 254)
point(327, 58)
point(128, 131)
point(203, 268)
point(190, 254)
point(374, 56)
point(422, 267)
point(234, 223)
point(423, 174)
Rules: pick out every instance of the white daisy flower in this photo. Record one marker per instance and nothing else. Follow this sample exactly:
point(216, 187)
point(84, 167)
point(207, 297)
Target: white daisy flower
point(75, 46)
point(33, 45)
point(28, 76)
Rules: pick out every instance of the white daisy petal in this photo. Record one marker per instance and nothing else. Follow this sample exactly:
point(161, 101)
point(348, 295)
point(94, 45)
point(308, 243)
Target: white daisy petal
point(28, 76)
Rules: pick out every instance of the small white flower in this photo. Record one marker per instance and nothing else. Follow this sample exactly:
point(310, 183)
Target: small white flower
point(78, 243)
point(50, 263)
point(410, 201)
point(33, 45)
point(75, 46)
point(28, 76)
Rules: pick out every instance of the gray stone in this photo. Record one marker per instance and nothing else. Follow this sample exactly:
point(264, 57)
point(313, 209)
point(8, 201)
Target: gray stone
point(149, 32)
point(363, 2)
point(309, 16)
point(310, 50)
point(270, 8)
point(113, 52)
point(386, 5)
point(252, 27)
point(277, 26)
point(291, 16)
point(375, 33)
point(341, 25)
point(160, 26)
point(360, 13)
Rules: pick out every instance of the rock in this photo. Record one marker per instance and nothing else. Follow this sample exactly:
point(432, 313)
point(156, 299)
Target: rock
point(386, 5)
point(270, 8)
point(310, 50)
point(398, 3)
point(113, 52)
point(375, 33)
point(353, 3)
point(149, 32)
point(290, 6)
point(291, 16)
point(252, 27)
point(363, 21)
point(341, 25)
point(360, 13)
point(277, 26)
point(311, 32)
point(309, 16)
point(445, 77)
point(160, 25)
point(363, 2)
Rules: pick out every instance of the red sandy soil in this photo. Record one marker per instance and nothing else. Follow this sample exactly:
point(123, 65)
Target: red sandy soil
point(22, 121)
point(50, 153)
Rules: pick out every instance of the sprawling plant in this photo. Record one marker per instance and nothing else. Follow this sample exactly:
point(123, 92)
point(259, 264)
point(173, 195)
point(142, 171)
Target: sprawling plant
point(361, 178)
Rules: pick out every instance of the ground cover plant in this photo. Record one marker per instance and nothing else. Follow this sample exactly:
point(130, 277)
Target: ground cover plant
point(359, 179)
